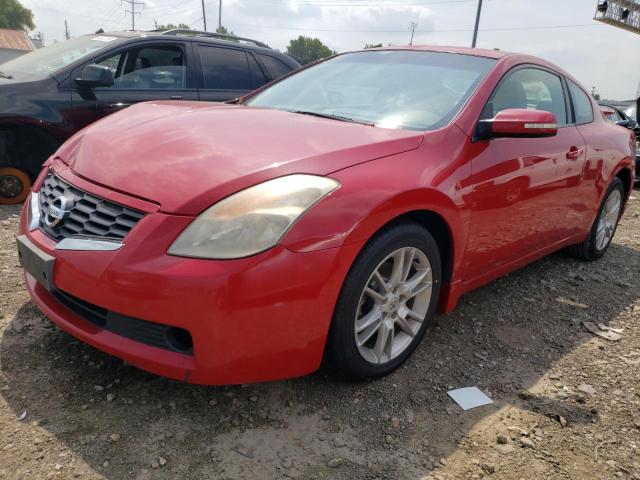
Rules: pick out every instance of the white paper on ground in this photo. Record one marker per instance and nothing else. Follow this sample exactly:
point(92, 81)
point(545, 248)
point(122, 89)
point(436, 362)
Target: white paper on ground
point(469, 397)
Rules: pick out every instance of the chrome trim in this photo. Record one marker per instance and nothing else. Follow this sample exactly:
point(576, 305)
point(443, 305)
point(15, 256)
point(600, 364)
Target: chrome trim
point(88, 244)
point(34, 211)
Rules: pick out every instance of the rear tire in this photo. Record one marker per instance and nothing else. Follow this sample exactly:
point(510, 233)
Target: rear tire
point(604, 226)
point(15, 185)
point(381, 316)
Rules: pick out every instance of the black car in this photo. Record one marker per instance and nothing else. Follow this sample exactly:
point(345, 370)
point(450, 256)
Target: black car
point(625, 119)
point(48, 95)
point(617, 116)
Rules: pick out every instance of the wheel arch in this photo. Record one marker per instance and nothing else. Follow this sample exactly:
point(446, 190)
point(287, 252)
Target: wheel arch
point(625, 175)
point(19, 139)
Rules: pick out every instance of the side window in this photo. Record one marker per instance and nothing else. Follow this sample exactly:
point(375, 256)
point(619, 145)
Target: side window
point(530, 88)
point(225, 68)
point(275, 67)
point(156, 68)
point(581, 103)
point(256, 72)
point(113, 63)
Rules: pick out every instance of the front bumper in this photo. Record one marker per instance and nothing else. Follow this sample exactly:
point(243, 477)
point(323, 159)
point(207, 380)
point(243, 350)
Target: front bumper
point(255, 319)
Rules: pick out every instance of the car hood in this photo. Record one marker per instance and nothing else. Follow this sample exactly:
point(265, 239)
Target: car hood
point(185, 156)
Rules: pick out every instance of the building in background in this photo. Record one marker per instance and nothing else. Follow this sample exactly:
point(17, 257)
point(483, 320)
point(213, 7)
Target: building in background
point(37, 40)
point(14, 43)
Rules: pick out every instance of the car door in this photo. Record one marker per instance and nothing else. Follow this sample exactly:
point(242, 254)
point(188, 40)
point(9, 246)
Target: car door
point(227, 73)
point(523, 188)
point(144, 72)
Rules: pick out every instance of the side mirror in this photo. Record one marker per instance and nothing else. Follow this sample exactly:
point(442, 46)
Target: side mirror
point(95, 76)
point(520, 123)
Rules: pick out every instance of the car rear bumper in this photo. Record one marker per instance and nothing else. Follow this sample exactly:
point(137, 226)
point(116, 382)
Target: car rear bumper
point(255, 319)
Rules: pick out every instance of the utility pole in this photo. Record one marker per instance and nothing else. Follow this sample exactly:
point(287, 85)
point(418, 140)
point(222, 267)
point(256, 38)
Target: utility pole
point(220, 15)
point(67, 35)
point(475, 29)
point(132, 4)
point(412, 26)
point(204, 17)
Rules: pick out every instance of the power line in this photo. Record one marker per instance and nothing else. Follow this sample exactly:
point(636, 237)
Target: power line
point(413, 26)
point(537, 27)
point(204, 17)
point(475, 28)
point(133, 12)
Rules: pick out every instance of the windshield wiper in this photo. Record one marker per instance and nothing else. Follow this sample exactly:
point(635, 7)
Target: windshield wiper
point(5, 75)
point(333, 117)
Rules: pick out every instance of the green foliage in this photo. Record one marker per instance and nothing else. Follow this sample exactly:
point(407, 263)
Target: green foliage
point(171, 26)
point(14, 16)
point(223, 30)
point(306, 49)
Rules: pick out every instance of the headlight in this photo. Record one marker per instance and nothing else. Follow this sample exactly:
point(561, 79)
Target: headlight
point(252, 220)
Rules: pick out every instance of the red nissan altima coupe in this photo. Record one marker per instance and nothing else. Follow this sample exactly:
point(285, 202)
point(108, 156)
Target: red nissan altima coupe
point(328, 216)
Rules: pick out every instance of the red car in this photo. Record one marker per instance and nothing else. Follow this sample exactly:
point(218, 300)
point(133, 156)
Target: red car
point(327, 216)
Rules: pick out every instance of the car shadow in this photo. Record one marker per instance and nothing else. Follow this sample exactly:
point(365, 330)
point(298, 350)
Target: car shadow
point(502, 338)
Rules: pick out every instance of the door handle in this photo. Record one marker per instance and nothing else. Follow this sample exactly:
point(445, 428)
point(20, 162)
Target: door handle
point(175, 97)
point(574, 153)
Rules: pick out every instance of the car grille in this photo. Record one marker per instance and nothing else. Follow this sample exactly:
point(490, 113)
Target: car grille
point(150, 333)
point(89, 216)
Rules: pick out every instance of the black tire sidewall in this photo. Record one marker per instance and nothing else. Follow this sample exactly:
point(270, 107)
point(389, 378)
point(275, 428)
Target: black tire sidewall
point(343, 355)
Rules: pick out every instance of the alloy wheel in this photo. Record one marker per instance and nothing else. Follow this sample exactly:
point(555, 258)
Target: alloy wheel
point(608, 219)
point(393, 305)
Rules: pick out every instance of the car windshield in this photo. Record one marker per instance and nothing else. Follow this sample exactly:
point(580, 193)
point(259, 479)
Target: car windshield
point(404, 89)
point(48, 60)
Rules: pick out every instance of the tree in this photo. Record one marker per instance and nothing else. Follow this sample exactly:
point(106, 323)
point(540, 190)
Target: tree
point(306, 49)
point(223, 30)
point(372, 45)
point(171, 26)
point(14, 16)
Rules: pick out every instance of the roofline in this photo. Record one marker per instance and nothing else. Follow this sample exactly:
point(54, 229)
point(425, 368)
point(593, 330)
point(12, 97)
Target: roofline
point(476, 52)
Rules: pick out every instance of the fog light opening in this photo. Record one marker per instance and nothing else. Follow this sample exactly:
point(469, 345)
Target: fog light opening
point(179, 339)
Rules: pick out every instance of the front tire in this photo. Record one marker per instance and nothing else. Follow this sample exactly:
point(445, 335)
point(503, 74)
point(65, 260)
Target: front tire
point(386, 303)
point(604, 226)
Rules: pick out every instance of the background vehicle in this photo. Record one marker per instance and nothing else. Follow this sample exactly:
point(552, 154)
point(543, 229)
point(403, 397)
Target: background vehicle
point(625, 119)
point(619, 117)
point(48, 95)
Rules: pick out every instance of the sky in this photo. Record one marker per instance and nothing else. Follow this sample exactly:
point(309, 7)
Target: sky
point(560, 31)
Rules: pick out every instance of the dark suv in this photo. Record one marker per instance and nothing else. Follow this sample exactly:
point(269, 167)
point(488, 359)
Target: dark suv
point(48, 95)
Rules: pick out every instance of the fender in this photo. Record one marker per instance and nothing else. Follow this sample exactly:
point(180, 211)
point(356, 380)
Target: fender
point(369, 199)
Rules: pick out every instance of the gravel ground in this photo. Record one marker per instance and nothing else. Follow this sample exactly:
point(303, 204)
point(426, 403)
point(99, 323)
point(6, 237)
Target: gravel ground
point(567, 403)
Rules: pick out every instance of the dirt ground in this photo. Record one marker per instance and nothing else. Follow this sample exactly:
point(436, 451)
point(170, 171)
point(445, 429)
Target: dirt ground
point(567, 403)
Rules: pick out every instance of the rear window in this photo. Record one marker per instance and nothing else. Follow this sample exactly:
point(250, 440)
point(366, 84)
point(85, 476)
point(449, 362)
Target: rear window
point(275, 67)
point(581, 103)
point(225, 68)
